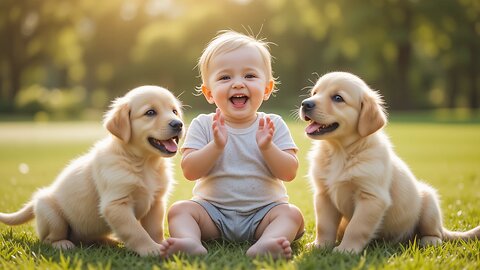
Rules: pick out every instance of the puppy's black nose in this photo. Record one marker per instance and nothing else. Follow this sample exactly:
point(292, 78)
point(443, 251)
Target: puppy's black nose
point(308, 105)
point(176, 125)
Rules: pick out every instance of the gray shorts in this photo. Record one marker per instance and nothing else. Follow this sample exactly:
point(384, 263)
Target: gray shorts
point(236, 226)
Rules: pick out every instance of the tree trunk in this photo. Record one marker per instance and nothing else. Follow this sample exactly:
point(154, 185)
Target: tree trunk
point(403, 66)
point(452, 87)
point(473, 76)
point(404, 48)
point(15, 79)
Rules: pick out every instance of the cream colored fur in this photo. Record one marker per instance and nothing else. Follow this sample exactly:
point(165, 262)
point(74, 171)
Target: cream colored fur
point(119, 186)
point(362, 189)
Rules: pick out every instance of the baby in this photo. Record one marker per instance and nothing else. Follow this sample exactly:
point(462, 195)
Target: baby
point(238, 158)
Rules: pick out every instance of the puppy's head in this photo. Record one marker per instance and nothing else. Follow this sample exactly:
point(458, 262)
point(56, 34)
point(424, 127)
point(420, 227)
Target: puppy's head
point(342, 106)
point(148, 119)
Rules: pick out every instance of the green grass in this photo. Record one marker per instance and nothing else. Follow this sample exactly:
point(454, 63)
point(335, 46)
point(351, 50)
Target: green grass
point(446, 156)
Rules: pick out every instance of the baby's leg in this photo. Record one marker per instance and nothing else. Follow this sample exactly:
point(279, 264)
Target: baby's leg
point(280, 226)
point(189, 223)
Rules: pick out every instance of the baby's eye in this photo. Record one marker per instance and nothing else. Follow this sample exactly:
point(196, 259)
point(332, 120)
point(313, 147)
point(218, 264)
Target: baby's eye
point(150, 113)
point(224, 77)
point(250, 76)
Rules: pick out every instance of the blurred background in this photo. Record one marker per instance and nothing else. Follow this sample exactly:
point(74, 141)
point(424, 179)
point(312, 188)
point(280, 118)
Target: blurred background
point(67, 59)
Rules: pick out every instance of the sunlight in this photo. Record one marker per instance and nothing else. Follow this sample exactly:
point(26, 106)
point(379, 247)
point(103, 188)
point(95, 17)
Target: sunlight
point(242, 2)
point(129, 10)
point(30, 23)
point(23, 168)
point(162, 7)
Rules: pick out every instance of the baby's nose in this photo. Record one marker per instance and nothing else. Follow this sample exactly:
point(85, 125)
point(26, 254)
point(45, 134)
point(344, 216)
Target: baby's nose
point(238, 83)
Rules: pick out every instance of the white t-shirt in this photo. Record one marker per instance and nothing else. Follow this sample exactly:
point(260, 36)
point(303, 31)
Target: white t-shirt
point(240, 180)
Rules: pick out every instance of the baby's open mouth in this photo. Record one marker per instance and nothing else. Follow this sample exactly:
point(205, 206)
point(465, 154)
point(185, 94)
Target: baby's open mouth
point(315, 128)
point(239, 100)
point(169, 146)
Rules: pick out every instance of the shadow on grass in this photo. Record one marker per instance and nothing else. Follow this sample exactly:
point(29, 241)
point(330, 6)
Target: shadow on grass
point(376, 255)
point(23, 249)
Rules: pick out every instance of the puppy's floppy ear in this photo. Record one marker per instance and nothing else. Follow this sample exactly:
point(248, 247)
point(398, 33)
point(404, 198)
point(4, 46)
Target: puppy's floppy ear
point(372, 114)
point(117, 120)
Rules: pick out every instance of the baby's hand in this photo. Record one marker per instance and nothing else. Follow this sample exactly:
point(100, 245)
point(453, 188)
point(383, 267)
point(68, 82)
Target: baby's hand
point(265, 133)
point(219, 130)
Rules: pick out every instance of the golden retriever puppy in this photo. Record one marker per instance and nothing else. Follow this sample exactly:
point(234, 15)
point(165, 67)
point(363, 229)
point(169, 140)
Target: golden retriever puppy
point(362, 189)
point(120, 185)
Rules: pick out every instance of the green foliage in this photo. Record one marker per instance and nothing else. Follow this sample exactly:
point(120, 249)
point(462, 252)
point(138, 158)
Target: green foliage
point(444, 155)
point(66, 103)
point(419, 54)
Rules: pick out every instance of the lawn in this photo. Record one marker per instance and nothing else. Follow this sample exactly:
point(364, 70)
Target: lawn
point(445, 155)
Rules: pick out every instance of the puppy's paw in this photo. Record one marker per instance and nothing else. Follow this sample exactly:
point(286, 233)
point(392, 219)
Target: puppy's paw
point(63, 244)
point(151, 250)
point(430, 241)
point(347, 249)
point(320, 244)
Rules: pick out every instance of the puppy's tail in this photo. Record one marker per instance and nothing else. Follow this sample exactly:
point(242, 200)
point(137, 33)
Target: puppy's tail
point(453, 235)
point(21, 216)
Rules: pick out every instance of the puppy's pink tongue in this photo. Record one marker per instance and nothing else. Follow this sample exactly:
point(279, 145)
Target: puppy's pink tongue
point(171, 145)
point(312, 127)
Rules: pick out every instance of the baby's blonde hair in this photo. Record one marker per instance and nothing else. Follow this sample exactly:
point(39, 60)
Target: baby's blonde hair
point(227, 41)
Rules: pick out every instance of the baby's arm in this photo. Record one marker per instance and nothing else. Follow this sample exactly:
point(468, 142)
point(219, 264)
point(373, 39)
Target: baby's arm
point(282, 164)
point(197, 163)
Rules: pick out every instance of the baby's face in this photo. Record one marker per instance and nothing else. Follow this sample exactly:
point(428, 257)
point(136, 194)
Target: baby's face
point(238, 83)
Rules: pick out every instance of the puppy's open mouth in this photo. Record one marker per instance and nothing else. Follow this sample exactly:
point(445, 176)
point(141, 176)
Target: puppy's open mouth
point(169, 146)
point(239, 100)
point(315, 128)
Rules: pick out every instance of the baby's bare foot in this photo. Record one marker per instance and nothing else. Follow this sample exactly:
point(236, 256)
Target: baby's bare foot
point(185, 245)
point(277, 247)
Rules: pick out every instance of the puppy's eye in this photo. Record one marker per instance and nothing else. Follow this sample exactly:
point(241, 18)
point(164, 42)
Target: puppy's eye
point(338, 98)
point(150, 113)
point(314, 93)
point(175, 112)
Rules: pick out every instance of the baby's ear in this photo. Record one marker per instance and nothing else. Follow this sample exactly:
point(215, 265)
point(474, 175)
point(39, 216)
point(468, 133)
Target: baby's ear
point(268, 90)
point(117, 121)
point(372, 114)
point(207, 94)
